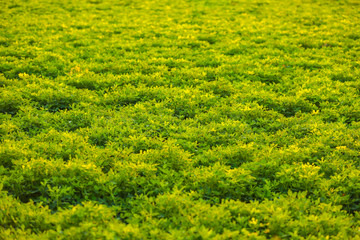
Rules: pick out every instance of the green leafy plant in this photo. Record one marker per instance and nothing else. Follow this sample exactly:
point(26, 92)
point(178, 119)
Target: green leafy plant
point(154, 119)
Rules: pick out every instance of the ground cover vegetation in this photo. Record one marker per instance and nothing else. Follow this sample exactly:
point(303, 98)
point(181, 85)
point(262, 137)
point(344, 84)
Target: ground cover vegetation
point(181, 119)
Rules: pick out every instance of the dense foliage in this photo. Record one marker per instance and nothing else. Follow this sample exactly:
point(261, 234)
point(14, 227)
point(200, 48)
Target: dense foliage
point(180, 119)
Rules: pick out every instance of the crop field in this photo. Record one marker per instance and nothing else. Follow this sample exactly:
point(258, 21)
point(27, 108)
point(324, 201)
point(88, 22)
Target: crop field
point(180, 119)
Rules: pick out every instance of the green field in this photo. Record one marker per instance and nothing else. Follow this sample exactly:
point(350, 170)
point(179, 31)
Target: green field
point(179, 119)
